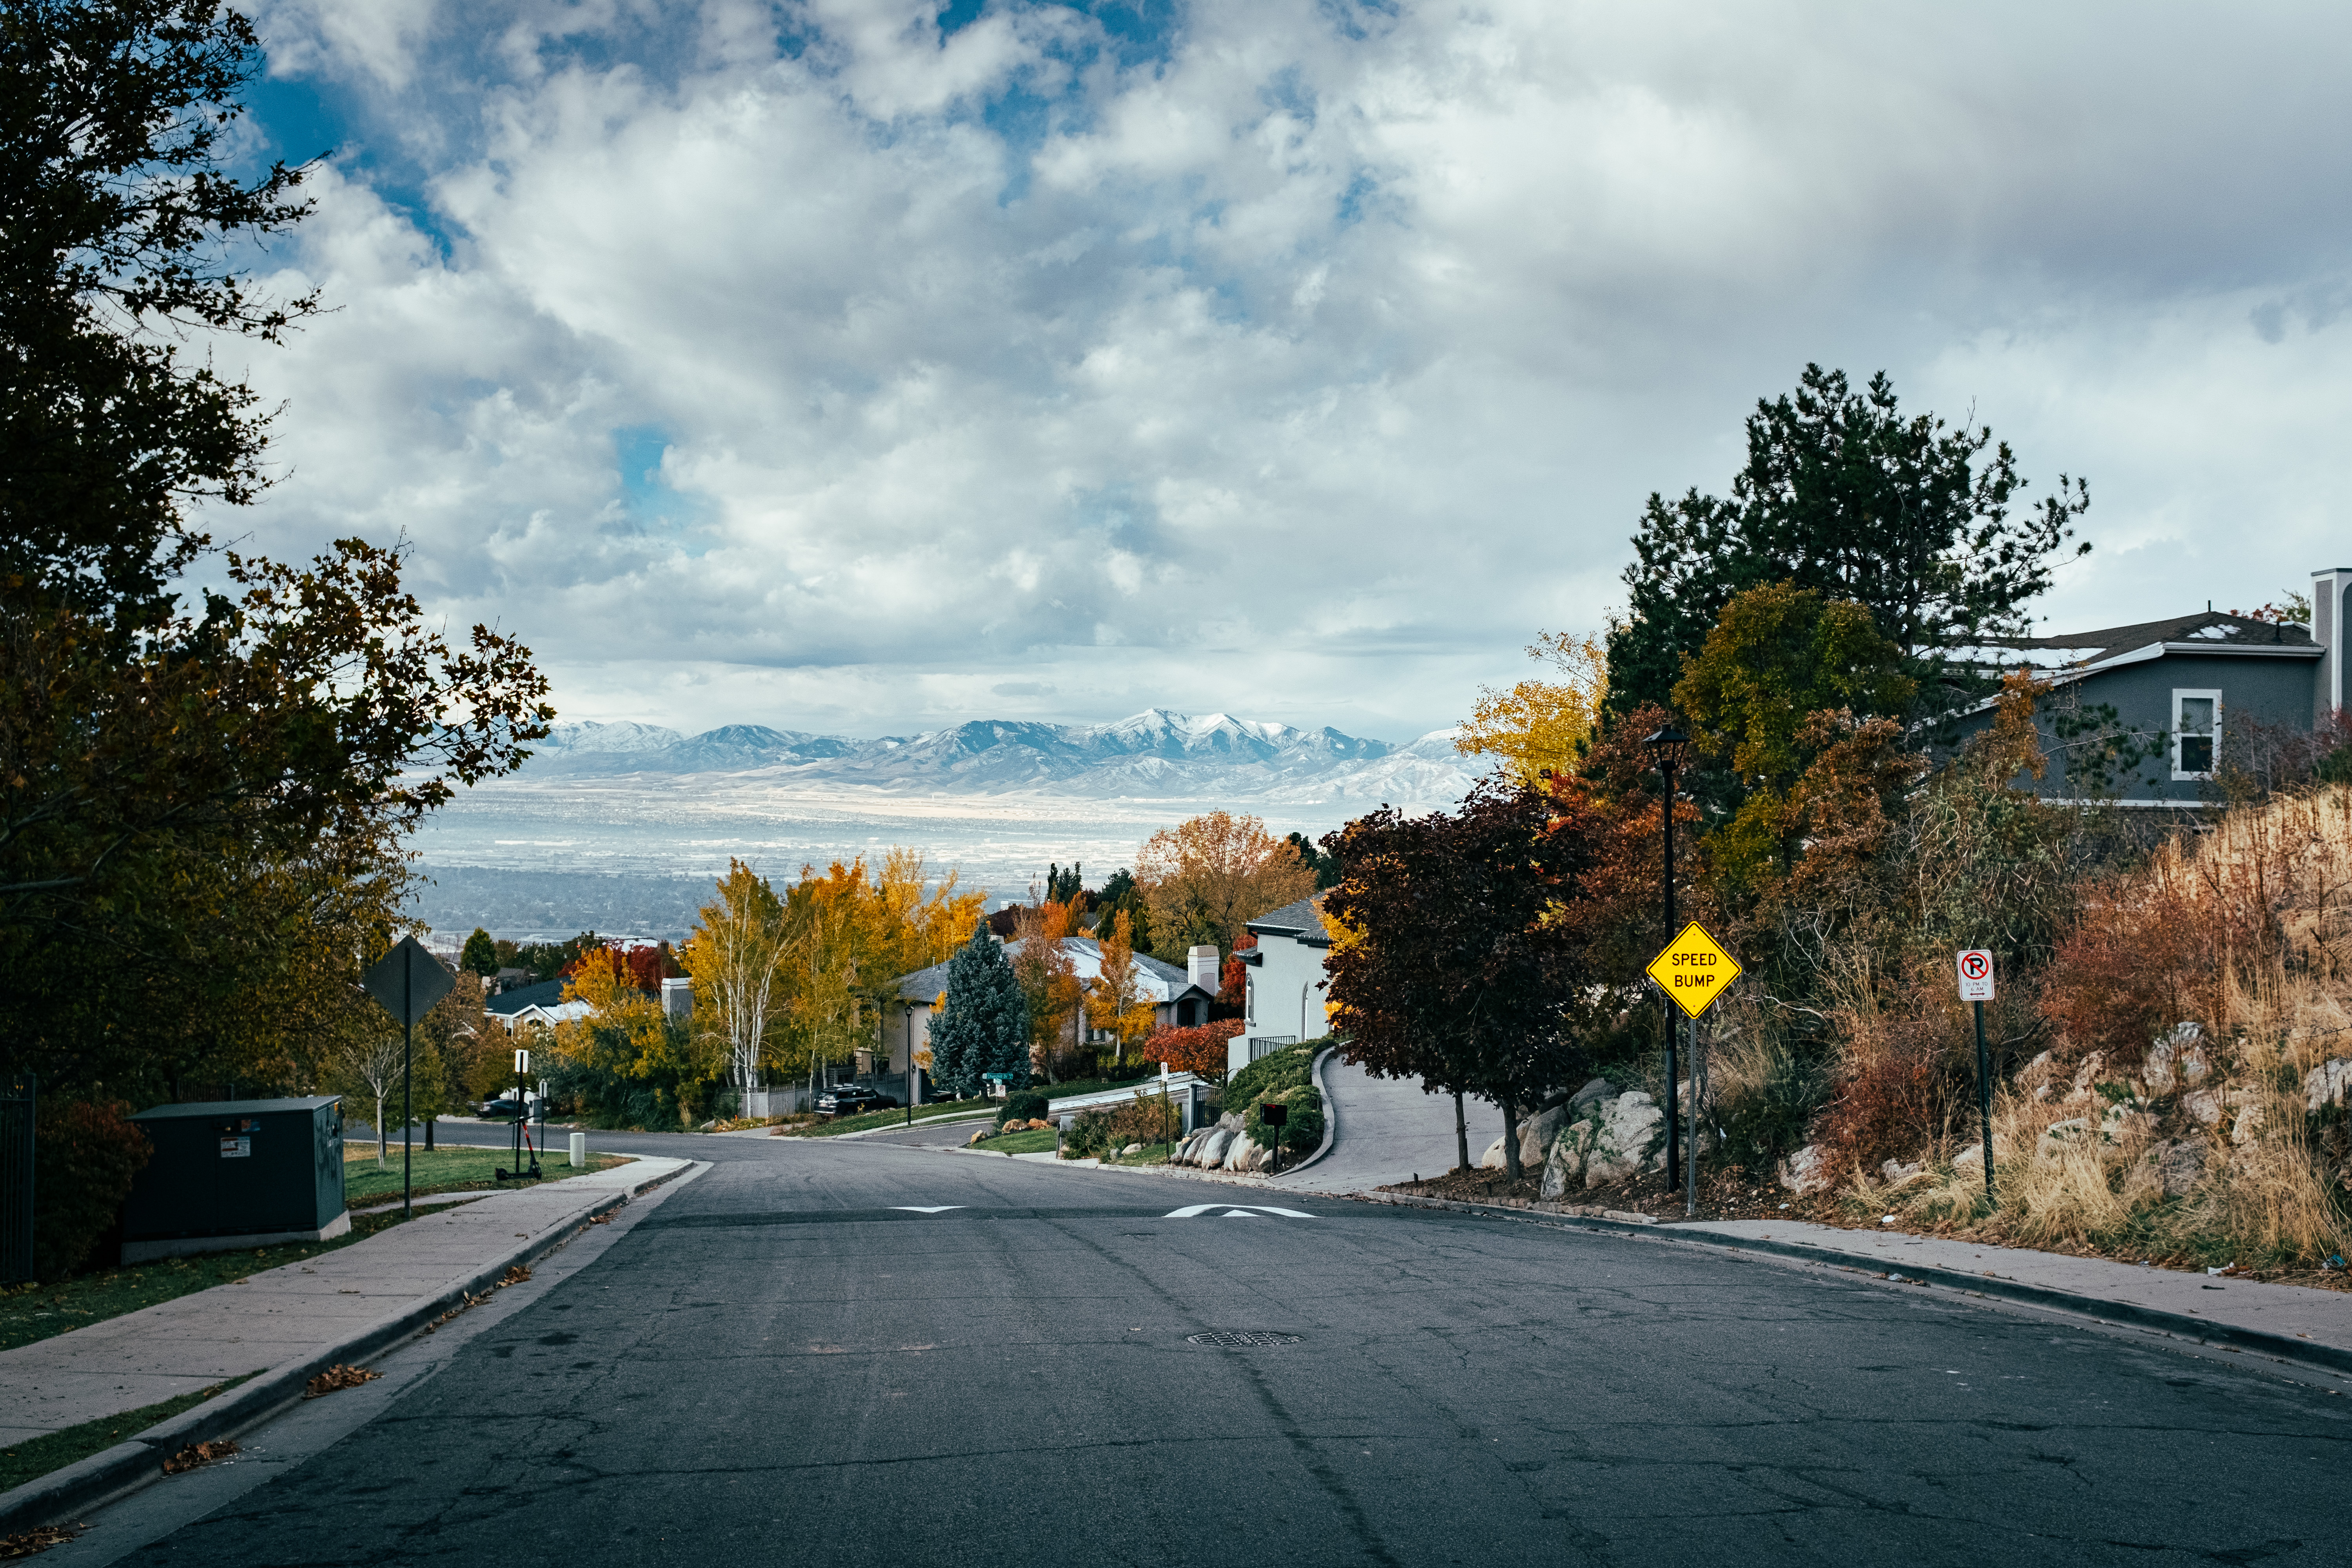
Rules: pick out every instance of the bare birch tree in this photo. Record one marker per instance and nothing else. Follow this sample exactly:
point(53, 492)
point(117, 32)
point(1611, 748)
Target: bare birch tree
point(735, 957)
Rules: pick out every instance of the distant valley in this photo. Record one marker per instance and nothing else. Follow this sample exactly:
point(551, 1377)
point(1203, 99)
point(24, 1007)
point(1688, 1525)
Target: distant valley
point(620, 826)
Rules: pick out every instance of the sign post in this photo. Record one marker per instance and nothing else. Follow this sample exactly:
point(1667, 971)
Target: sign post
point(406, 983)
point(1976, 987)
point(1693, 971)
point(1273, 1114)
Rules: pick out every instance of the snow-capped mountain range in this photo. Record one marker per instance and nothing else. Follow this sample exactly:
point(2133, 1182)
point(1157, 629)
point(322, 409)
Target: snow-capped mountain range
point(1155, 754)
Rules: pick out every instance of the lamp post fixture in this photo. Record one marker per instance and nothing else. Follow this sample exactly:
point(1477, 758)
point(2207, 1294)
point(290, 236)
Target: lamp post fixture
point(1669, 748)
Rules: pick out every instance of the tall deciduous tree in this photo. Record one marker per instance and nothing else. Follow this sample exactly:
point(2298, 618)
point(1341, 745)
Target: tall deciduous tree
point(1541, 726)
point(1453, 971)
point(1048, 977)
point(983, 1023)
point(1115, 999)
point(736, 958)
point(1206, 878)
point(1916, 520)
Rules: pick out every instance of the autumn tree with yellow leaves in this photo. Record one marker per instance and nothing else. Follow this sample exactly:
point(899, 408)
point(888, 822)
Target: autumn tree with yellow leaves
point(1541, 726)
point(1117, 1002)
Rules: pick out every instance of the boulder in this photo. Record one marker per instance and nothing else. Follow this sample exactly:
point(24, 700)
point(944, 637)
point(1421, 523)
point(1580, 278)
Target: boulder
point(2086, 1076)
point(2163, 1068)
point(1131, 1151)
point(1806, 1171)
point(1629, 1135)
point(2204, 1105)
point(1894, 1173)
point(1492, 1160)
point(978, 1134)
point(1969, 1159)
point(2178, 1164)
point(1231, 1122)
point(2249, 1120)
point(2329, 1083)
point(2075, 1132)
point(1538, 1134)
point(1564, 1166)
point(1594, 1088)
point(1213, 1148)
point(1239, 1154)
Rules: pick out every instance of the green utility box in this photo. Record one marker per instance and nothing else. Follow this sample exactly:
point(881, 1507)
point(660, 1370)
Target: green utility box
point(235, 1173)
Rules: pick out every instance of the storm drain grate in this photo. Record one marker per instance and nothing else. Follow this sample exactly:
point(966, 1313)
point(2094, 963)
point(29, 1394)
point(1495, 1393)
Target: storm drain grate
point(1240, 1338)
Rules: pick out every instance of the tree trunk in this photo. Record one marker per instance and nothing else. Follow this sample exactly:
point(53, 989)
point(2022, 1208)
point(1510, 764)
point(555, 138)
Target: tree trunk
point(1461, 1132)
point(1511, 1166)
point(381, 1133)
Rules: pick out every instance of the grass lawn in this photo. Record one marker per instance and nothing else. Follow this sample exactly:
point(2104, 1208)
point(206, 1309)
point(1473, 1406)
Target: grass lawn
point(447, 1169)
point(32, 1461)
point(1035, 1140)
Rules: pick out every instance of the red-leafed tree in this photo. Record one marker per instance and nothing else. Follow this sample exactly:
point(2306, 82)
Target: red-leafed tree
point(1198, 1049)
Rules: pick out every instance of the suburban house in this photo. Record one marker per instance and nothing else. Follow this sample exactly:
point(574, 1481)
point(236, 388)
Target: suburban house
point(541, 1004)
point(2143, 715)
point(1180, 999)
point(1284, 1001)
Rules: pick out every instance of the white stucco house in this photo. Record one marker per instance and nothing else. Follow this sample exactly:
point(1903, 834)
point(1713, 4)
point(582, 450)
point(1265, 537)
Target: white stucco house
point(1286, 998)
point(1179, 998)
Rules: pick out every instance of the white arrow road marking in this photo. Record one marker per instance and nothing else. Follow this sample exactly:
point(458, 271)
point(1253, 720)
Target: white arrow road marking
point(1249, 1211)
point(918, 1208)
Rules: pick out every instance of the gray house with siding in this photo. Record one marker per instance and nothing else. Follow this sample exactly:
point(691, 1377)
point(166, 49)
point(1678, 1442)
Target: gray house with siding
point(2143, 715)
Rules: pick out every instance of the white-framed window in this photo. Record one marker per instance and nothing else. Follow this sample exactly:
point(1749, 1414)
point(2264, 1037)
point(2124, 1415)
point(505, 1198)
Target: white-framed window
point(2196, 731)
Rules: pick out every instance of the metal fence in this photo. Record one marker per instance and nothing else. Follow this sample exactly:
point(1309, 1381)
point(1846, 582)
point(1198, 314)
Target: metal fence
point(16, 1180)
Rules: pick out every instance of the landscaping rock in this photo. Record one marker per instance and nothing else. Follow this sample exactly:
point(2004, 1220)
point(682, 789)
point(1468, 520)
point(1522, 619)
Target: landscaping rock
point(1596, 1088)
point(2204, 1105)
point(2164, 1068)
point(1969, 1159)
point(1131, 1151)
point(2249, 1120)
point(2075, 1132)
point(2327, 1084)
point(1564, 1166)
point(1806, 1171)
point(1894, 1173)
point(1231, 1122)
point(978, 1134)
point(1237, 1156)
point(2179, 1164)
point(1492, 1160)
point(1215, 1147)
point(1538, 1134)
point(1630, 1135)
point(2086, 1076)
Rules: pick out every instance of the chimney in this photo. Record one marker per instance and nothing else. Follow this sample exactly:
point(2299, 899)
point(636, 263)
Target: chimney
point(678, 999)
point(2328, 606)
point(1200, 968)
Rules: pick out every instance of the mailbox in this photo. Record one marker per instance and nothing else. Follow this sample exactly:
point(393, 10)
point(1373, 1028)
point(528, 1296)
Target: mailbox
point(235, 1173)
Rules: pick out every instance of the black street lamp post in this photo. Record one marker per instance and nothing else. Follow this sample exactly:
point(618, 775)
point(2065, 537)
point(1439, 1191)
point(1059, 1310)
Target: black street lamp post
point(1669, 748)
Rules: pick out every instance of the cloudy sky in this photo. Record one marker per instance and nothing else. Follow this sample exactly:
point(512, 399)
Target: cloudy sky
point(864, 368)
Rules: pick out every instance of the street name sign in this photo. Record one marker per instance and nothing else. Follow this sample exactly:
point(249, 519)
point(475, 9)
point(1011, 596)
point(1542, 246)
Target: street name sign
point(1694, 970)
point(1976, 975)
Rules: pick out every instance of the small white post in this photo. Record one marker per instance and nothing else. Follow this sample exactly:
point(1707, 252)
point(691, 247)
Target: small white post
point(580, 1148)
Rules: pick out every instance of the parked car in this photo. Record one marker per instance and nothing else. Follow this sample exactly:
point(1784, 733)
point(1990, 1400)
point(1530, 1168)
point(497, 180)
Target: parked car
point(850, 1099)
point(506, 1108)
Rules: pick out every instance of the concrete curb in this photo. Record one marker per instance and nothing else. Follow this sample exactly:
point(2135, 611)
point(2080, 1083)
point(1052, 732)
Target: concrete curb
point(2119, 1314)
point(137, 1461)
point(1330, 1114)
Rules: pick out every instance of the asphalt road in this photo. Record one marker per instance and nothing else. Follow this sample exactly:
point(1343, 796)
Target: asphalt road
point(781, 1362)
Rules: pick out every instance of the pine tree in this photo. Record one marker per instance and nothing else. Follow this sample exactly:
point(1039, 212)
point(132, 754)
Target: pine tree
point(984, 1026)
point(481, 954)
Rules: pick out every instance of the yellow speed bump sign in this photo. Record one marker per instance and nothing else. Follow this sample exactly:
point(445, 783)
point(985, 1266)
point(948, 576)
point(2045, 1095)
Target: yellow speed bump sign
point(1694, 970)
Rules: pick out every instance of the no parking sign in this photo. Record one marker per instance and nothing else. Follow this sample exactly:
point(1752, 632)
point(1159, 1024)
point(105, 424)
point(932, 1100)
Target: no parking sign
point(1976, 975)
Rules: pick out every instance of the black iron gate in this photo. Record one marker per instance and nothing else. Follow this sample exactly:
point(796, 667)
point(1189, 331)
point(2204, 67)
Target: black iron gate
point(16, 1180)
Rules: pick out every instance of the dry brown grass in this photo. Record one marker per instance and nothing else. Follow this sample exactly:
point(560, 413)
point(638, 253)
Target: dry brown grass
point(2242, 930)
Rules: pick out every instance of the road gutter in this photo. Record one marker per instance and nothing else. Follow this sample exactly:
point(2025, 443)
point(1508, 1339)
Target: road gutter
point(137, 1461)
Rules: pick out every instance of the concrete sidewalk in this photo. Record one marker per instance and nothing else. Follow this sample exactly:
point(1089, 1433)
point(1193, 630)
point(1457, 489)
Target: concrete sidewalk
point(2320, 1318)
point(291, 1314)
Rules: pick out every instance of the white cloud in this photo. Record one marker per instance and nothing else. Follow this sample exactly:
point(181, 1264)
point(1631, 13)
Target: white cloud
point(1302, 372)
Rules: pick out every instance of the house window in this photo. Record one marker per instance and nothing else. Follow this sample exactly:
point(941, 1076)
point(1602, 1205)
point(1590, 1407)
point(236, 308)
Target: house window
point(1188, 1013)
point(1249, 1000)
point(2196, 733)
